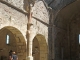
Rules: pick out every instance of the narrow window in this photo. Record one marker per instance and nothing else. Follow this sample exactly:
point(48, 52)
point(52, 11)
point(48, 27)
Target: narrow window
point(79, 38)
point(7, 39)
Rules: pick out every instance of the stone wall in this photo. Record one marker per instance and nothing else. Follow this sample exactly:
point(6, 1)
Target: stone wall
point(11, 17)
point(17, 3)
point(14, 18)
point(41, 19)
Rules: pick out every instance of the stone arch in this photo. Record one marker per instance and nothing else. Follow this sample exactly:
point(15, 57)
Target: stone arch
point(20, 44)
point(65, 22)
point(42, 47)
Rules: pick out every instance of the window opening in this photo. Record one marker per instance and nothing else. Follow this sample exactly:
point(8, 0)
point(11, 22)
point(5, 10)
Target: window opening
point(7, 39)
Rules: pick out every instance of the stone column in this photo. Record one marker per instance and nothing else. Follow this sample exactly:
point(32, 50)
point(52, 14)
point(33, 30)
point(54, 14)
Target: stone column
point(31, 35)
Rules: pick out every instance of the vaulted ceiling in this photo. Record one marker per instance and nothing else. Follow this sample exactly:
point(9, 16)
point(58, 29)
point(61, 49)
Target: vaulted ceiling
point(68, 13)
point(58, 4)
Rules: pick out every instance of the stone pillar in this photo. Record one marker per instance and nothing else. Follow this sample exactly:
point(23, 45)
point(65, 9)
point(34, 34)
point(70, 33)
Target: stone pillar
point(29, 46)
point(30, 36)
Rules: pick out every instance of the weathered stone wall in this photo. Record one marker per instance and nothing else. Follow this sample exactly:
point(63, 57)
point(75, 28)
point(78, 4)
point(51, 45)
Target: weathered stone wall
point(41, 24)
point(42, 19)
point(17, 3)
point(40, 13)
point(15, 18)
point(59, 42)
point(11, 17)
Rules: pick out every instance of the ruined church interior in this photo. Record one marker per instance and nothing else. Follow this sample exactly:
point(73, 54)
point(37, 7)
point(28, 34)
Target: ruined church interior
point(40, 29)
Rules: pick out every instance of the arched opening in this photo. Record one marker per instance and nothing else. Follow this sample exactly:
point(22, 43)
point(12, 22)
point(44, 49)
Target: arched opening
point(67, 29)
point(40, 48)
point(12, 39)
